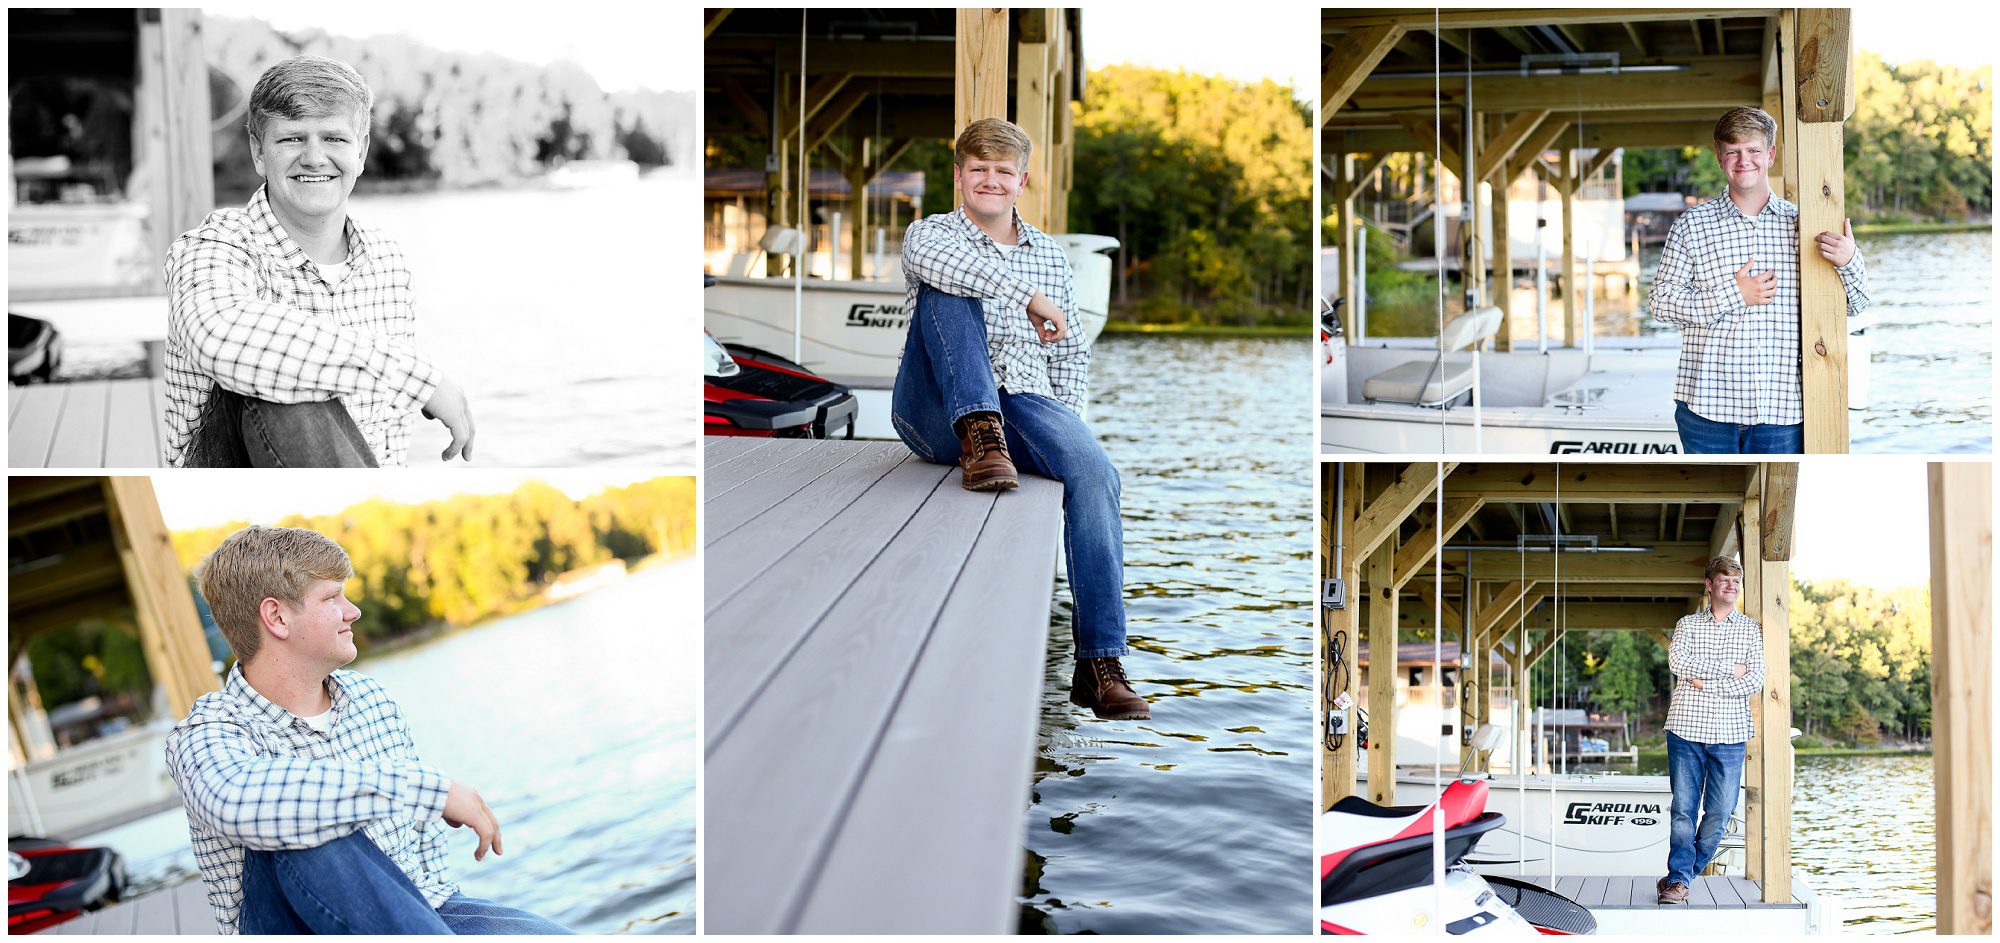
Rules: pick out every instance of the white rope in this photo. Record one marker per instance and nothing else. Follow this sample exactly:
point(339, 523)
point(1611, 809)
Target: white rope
point(805, 196)
point(1437, 687)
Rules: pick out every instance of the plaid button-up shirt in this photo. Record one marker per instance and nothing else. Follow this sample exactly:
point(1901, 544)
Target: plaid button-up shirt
point(950, 253)
point(1739, 363)
point(1704, 649)
point(253, 775)
point(250, 311)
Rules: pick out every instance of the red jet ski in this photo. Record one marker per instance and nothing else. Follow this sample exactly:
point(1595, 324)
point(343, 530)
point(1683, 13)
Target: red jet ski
point(1375, 871)
point(50, 883)
point(751, 392)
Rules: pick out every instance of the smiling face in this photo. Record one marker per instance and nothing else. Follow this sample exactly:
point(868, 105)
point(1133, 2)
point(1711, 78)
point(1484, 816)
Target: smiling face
point(989, 186)
point(1745, 164)
point(319, 630)
point(309, 164)
point(1725, 588)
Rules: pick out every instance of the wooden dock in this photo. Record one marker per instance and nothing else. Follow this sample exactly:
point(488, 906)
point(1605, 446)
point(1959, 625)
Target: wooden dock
point(91, 424)
point(1717, 904)
point(182, 909)
point(875, 637)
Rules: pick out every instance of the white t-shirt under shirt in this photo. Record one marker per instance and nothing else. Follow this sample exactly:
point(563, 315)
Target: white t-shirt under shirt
point(322, 721)
point(333, 272)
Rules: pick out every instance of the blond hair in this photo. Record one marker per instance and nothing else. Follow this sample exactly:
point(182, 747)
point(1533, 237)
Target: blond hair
point(309, 87)
point(992, 139)
point(1738, 124)
point(1721, 565)
point(259, 563)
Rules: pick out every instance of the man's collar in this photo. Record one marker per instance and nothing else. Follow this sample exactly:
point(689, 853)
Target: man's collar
point(240, 687)
point(1772, 204)
point(1027, 234)
point(265, 223)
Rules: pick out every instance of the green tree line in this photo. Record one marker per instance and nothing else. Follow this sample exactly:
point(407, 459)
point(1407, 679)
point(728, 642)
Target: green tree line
point(453, 561)
point(469, 557)
point(1919, 146)
point(453, 119)
point(1860, 664)
point(1207, 184)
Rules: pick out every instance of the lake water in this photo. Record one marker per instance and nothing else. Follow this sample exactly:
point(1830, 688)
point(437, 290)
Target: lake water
point(576, 723)
point(1199, 820)
point(1865, 829)
point(555, 311)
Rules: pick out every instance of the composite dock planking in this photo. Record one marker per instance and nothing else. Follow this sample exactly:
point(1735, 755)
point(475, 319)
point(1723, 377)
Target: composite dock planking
point(875, 636)
point(181, 910)
point(89, 424)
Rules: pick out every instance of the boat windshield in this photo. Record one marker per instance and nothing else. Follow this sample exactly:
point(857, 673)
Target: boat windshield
point(717, 362)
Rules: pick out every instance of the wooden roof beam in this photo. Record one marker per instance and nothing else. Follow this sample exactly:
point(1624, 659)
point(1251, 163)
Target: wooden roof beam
point(1600, 483)
point(1421, 18)
point(1665, 563)
point(1384, 516)
point(1426, 139)
point(1418, 550)
point(1357, 54)
point(1632, 30)
point(715, 18)
point(1505, 142)
point(1706, 82)
point(1531, 150)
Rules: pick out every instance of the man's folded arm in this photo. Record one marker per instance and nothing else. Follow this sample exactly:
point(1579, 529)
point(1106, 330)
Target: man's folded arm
point(271, 350)
point(943, 260)
point(1752, 680)
point(277, 803)
point(1683, 663)
point(1854, 280)
point(1678, 296)
point(1069, 365)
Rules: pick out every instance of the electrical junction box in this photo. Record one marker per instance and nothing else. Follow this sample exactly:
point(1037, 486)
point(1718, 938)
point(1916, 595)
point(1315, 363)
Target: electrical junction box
point(1335, 594)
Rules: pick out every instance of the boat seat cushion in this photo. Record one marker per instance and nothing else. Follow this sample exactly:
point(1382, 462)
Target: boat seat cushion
point(1405, 383)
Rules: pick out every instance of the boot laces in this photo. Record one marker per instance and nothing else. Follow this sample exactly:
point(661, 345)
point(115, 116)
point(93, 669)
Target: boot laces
point(987, 437)
point(1108, 671)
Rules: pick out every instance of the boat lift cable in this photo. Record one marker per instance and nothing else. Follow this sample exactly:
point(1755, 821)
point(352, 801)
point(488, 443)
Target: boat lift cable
point(804, 255)
point(1437, 528)
point(1523, 705)
point(1437, 222)
point(1556, 629)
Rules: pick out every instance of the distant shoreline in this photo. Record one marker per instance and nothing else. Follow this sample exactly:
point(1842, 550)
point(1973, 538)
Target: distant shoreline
point(1207, 330)
point(1897, 229)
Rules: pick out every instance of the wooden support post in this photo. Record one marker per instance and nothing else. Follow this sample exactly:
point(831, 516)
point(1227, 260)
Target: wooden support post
point(1034, 80)
point(1772, 707)
point(1819, 94)
point(1519, 748)
point(1337, 779)
point(171, 143)
point(1961, 518)
point(1382, 675)
point(979, 84)
point(1752, 601)
point(162, 605)
point(1503, 264)
point(1349, 260)
point(1472, 265)
point(1572, 305)
point(1062, 148)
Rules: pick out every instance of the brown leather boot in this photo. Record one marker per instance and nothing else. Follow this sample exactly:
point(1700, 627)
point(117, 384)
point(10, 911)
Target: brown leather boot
point(1099, 684)
point(982, 456)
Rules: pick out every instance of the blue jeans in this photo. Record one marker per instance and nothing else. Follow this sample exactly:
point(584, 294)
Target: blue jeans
point(945, 375)
point(237, 431)
point(349, 886)
point(1705, 778)
point(1700, 435)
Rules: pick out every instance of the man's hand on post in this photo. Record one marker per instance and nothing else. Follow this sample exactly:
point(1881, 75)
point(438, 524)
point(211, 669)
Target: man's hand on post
point(1047, 317)
point(1756, 289)
point(448, 406)
point(463, 806)
point(1838, 247)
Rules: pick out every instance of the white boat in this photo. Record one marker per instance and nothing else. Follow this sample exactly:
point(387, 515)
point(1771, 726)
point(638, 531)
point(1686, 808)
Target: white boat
point(94, 785)
point(1615, 399)
point(851, 332)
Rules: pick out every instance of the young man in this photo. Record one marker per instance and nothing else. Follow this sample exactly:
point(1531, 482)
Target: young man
point(993, 368)
point(1717, 659)
point(1729, 278)
point(308, 805)
point(290, 338)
